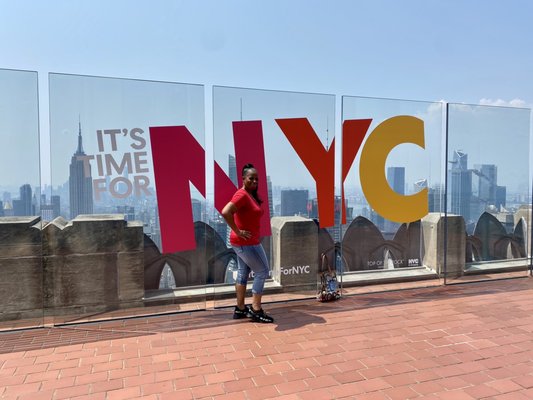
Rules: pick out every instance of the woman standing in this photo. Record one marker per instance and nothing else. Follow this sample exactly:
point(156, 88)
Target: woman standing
point(243, 215)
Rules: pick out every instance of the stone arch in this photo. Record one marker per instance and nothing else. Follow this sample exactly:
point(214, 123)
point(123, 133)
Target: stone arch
point(473, 249)
point(326, 246)
point(206, 264)
point(506, 248)
point(408, 237)
point(520, 236)
point(388, 249)
point(361, 237)
point(494, 241)
point(489, 231)
point(154, 263)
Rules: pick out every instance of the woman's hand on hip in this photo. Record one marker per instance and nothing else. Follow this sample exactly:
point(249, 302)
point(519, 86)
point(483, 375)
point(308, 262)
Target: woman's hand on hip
point(244, 234)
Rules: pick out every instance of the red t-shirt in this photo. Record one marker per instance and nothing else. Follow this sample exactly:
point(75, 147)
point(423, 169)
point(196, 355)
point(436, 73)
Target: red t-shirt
point(247, 218)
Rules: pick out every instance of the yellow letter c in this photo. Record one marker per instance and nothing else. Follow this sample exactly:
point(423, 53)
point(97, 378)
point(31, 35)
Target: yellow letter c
point(385, 201)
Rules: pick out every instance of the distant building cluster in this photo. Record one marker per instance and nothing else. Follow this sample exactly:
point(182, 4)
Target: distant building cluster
point(474, 190)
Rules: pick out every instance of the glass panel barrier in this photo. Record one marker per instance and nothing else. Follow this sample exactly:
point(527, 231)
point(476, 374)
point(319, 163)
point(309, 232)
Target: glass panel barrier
point(393, 189)
point(488, 192)
point(21, 201)
point(124, 206)
point(288, 137)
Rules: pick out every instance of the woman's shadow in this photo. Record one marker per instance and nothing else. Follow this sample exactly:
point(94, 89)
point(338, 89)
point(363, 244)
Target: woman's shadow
point(296, 316)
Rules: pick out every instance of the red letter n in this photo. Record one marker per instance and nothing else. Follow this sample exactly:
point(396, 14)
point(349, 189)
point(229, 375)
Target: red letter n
point(178, 158)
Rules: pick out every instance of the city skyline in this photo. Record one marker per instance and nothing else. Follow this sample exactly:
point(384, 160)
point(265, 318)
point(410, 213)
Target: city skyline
point(322, 52)
point(125, 153)
point(71, 98)
point(395, 175)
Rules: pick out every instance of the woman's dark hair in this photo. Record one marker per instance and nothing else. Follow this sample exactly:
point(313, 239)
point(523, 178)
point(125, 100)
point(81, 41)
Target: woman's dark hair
point(246, 168)
point(254, 194)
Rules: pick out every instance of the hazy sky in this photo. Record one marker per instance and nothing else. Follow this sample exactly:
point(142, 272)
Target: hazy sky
point(461, 51)
point(453, 50)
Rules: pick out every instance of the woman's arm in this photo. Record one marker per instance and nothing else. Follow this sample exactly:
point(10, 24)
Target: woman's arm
point(227, 212)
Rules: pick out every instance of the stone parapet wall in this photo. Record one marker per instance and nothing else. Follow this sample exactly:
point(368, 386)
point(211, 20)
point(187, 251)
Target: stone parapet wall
point(436, 251)
point(21, 283)
point(97, 263)
point(294, 252)
point(90, 264)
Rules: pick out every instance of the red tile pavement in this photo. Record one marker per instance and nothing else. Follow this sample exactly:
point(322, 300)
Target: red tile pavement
point(468, 341)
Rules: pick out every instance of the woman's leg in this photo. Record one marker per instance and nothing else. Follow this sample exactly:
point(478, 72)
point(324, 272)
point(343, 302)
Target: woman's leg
point(255, 258)
point(240, 291)
point(256, 301)
point(243, 271)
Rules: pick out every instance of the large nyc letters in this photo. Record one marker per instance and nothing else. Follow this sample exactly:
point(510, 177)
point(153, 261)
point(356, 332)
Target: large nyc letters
point(179, 159)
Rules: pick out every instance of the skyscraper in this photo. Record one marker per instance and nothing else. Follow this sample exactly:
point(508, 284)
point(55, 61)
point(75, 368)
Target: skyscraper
point(396, 179)
point(270, 199)
point(128, 211)
point(56, 205)
point(23, 206)
point(501, 195)
point(196, 210)
point(52, 210)
point(232, 170)
point(294, 202)
point(461, 185)
point(436, 198)
point(80, 183)
point(488, 178)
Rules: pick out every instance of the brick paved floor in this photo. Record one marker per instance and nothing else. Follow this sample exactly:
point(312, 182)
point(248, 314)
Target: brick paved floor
point(469, 341)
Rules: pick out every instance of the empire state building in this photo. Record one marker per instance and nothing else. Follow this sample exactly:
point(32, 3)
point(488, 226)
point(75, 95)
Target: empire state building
point(80, 183)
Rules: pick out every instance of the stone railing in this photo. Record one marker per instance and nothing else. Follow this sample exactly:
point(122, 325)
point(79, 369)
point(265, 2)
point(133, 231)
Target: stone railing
point(98, 263)
point(90, 264)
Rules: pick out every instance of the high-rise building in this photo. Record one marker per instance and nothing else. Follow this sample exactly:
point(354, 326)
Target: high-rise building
point(294, 202)
point(128, 211)
point(8, 209)
point(47, 213)
point(80, 183)
point(461, 186)
point(436, 198)
point(196, 210)
point(501, 195)
point(270, 199)
point(52, 210)
point(396, 179)
point(232, 170)
point(56, 205)
point(487, 182)
point(24, 205)
point(6, 197)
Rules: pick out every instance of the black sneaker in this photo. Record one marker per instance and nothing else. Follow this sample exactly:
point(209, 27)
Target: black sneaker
point(260, 316)
point(238, 313)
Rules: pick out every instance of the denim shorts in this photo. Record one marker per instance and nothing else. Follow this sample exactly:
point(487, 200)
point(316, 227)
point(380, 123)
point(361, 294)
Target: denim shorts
point(252, 258)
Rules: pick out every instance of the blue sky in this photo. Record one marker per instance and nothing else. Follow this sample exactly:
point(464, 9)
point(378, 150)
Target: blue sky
point(476, 52)
point(461, 51)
